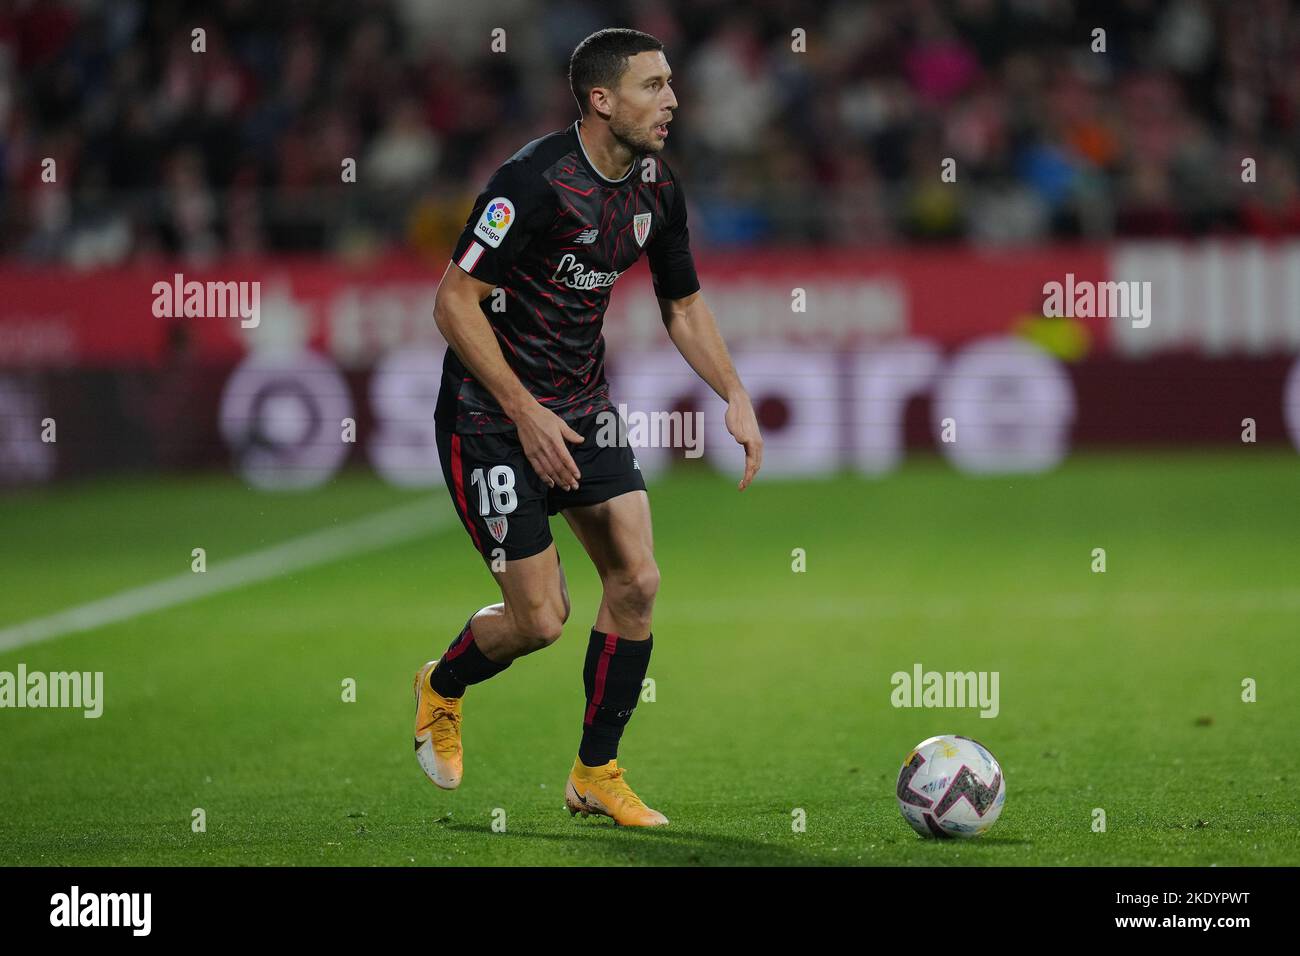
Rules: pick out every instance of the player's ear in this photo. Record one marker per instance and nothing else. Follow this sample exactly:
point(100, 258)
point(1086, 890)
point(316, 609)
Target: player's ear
point(600, 104)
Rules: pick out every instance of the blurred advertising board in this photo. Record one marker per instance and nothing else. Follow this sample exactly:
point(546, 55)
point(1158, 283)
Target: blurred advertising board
point(1002, 360)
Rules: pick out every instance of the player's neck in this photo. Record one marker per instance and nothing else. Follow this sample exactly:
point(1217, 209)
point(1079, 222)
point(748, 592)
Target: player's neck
point(611, 158)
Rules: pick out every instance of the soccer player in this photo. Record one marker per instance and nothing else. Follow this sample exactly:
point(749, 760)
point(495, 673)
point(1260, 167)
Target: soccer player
point(524, 396)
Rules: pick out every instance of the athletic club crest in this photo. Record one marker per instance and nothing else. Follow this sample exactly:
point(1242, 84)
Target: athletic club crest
point(640, 227)
point(497, 527)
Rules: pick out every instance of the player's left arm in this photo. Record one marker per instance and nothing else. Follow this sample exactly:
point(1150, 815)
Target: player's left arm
point(694, 331)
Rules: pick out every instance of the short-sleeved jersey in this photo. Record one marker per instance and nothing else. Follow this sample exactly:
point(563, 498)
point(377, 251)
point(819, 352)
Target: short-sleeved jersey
point(553, 235)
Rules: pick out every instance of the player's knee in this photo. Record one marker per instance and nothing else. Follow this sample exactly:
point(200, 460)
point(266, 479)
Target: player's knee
point(565, 607)
point(635, 589)
point(541, 625)
point(648, 583)
point(544, 631)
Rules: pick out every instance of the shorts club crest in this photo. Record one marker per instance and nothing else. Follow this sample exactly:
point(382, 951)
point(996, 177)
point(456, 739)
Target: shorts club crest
point(497, 526)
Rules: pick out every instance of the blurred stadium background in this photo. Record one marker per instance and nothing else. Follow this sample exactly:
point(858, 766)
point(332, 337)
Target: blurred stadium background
point(127, 158)
point(866, 300)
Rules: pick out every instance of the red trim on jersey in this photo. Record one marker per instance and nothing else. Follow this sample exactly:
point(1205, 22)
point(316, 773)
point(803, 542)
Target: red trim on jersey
point(572, 190)
point(458, 478)
point(602, 670)
point(471, 257)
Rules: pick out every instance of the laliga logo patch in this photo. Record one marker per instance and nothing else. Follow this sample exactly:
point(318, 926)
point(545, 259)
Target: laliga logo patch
point(497, 527)
point(495, 222)
point(641, 227)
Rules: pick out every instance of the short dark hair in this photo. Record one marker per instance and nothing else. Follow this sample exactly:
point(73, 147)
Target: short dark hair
point(601, 60)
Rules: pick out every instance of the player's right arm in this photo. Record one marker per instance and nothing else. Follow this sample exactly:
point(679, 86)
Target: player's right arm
point(462, 323)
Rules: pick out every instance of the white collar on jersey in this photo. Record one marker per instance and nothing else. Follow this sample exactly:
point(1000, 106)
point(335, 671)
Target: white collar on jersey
point(592, 166)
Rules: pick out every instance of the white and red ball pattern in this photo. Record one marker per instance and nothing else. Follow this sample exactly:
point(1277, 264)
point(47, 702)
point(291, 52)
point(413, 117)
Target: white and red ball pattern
point(951, 786)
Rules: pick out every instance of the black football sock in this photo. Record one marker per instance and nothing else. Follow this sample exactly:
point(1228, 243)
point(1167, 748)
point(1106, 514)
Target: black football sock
point(463, 664)
point(613, 674)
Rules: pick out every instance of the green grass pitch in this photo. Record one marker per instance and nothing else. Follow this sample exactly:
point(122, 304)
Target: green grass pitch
point(1120, 691)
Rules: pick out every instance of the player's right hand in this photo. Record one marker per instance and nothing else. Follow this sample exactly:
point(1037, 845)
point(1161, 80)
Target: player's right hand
point(543, 434)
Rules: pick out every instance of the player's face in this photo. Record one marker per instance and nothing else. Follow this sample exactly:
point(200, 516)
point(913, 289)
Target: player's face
point(644, 104)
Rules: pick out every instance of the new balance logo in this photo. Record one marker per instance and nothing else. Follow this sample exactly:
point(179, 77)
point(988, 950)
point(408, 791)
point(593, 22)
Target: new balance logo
point(587, 236)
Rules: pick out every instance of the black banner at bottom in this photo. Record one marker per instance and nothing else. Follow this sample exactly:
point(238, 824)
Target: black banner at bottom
point(333, 905)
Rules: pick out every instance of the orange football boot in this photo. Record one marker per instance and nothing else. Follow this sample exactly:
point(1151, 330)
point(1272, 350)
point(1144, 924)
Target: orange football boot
point(437, 732)
point(602, 790)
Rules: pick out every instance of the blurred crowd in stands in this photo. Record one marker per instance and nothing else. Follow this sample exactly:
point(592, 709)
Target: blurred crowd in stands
point(239, 150)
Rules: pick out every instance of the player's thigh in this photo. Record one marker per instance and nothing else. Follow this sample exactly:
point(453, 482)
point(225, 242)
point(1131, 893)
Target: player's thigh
point(616, 534)
point(534, 587)
point(498, 497)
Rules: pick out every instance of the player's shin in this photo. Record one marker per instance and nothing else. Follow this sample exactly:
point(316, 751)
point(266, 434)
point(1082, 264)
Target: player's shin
point(613, 674)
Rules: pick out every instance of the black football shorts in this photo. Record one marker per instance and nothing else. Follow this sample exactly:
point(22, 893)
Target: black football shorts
point(506, 506)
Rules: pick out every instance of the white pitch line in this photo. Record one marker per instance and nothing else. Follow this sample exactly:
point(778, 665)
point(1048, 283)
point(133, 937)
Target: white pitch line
point(364, 534)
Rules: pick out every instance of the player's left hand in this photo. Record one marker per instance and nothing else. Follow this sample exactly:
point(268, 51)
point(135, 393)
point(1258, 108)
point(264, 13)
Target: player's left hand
point(743, 425)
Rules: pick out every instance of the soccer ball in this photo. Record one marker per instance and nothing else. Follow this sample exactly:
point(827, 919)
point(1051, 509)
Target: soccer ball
point(951, 786)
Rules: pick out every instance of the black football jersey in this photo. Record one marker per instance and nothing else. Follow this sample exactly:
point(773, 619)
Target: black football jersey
point(554, 235)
